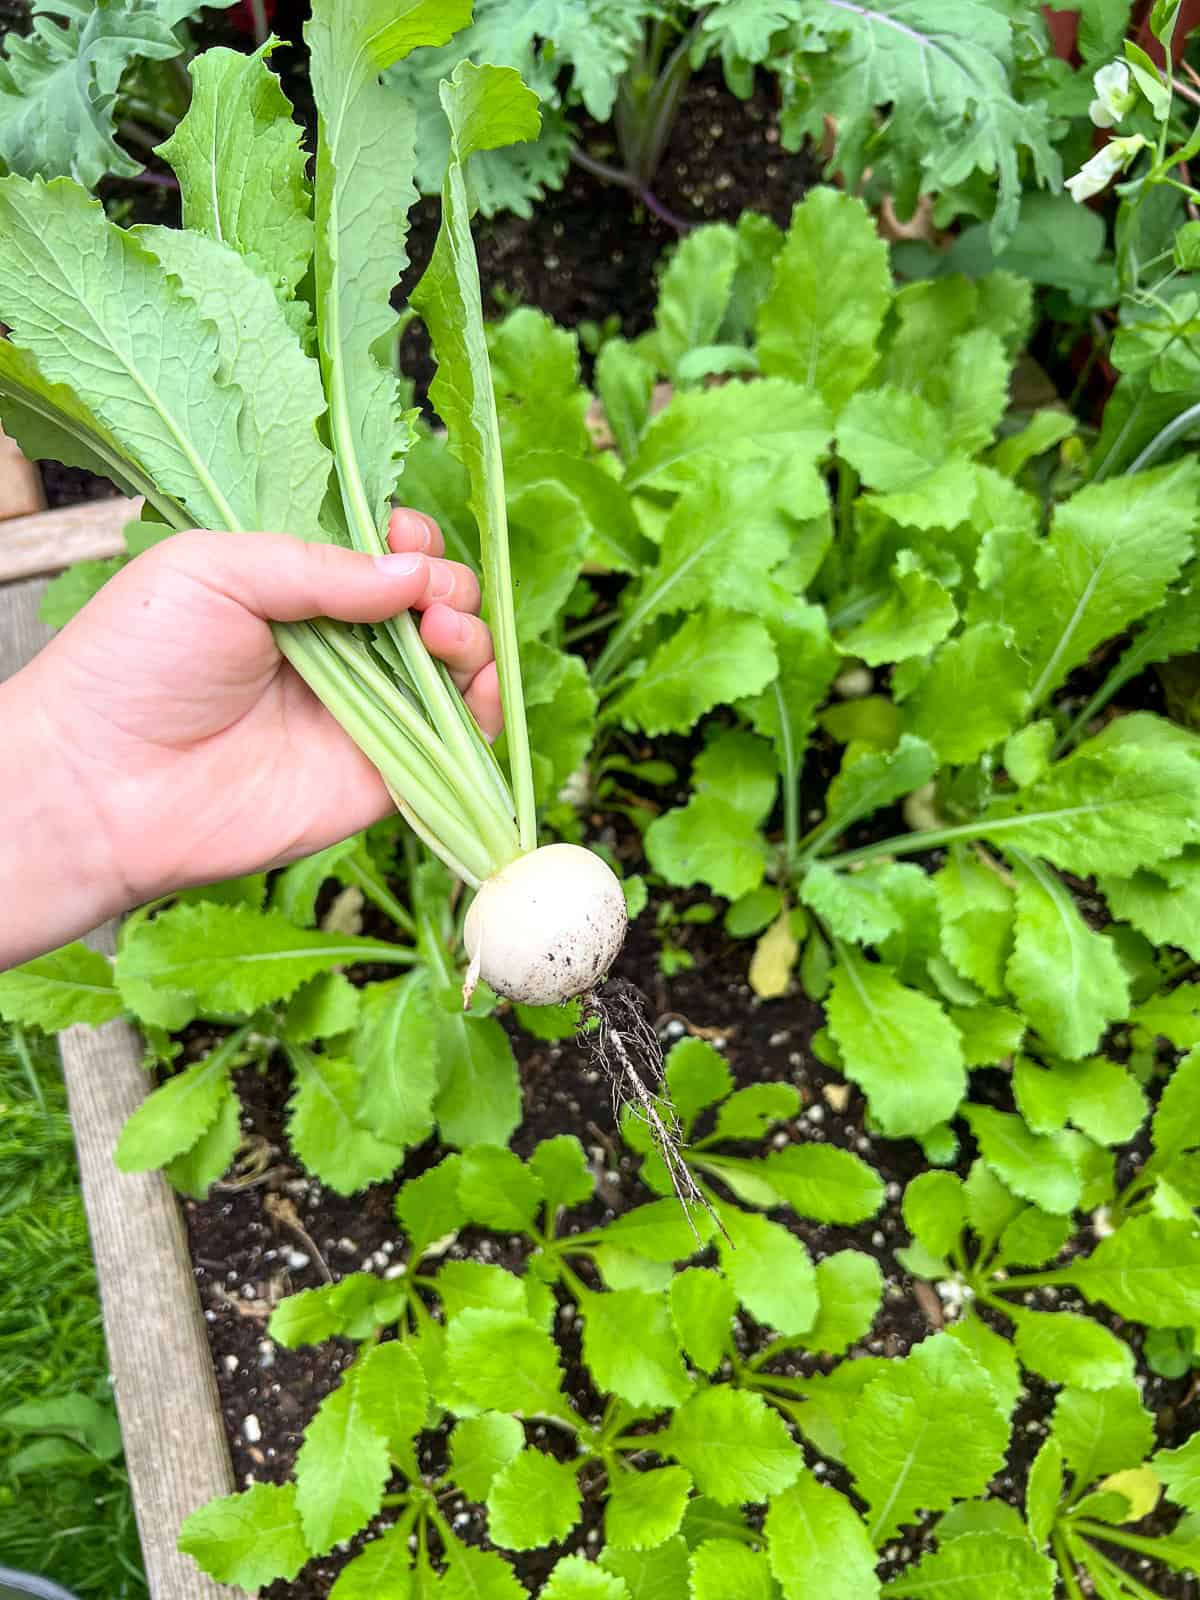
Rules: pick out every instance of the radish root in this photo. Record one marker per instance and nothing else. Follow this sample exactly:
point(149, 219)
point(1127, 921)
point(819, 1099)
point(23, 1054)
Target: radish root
point(625, 1048)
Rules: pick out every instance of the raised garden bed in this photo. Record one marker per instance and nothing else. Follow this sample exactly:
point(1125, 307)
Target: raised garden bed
point(238, 1402)
point(892, 760)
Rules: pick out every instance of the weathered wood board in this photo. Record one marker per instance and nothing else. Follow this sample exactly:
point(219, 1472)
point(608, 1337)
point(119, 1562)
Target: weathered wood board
point(166, 1393)
point(48, 541)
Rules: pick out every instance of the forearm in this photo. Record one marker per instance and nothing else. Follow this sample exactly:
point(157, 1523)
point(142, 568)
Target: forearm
point(57, 880)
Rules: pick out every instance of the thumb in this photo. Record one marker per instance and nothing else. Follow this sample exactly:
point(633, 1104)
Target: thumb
point(283, 579)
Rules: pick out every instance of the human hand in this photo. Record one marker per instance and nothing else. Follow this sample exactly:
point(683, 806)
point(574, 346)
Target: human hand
point(186, 748)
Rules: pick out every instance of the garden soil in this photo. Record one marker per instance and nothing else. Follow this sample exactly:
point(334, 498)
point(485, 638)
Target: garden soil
point(272, 1230)
point(275, 1230)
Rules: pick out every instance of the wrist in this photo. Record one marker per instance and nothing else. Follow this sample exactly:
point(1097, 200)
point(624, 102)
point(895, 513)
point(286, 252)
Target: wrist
point(57, 867)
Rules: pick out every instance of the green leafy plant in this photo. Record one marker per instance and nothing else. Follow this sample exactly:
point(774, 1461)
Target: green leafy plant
point(853, 510)
point(1096, 1475)
point(488, 1359)
point(780, 545)
point(959, 114)
point(933, 97)
point(79, 91)
point(1138, 255)
point(700, 1417)
point(978, 1237)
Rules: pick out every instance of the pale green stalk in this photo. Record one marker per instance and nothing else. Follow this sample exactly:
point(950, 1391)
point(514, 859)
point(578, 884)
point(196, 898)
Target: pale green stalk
point(402, 764)
point(1136, 1542)
point(485, 107)
point(366, 141)
point(500, 789)
point(503, 618)
point(437, 696)
point(495, 828)
point(494, 545)
point(907, 844)
point(377, 893)
point(1115, 1575)
point(1066, 1564)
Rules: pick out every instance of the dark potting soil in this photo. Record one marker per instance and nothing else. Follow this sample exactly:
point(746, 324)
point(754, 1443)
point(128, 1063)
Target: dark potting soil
point(275, 1230)
point(68, 486)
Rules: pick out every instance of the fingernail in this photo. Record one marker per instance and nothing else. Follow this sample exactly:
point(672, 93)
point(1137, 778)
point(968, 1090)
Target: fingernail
point(401, 566)
point(418, 529)
point(415, 525)
point(440, 583)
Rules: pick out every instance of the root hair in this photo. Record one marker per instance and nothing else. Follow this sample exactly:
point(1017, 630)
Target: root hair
point(624, 1047)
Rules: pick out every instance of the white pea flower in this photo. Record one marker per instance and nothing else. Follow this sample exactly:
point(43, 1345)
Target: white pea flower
point(1104, 166)
point(1115, 95)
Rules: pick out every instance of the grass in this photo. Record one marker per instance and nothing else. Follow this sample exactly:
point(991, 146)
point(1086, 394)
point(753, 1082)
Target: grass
point(72, 1519)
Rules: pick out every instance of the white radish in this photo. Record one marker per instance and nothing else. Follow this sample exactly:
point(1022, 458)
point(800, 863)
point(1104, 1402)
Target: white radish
point(547, 927)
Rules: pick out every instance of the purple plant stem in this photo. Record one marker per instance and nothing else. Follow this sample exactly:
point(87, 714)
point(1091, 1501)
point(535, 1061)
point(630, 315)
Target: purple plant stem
point(626, 180)
point(162, 180)
point(604, 169)
point(655, 206)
